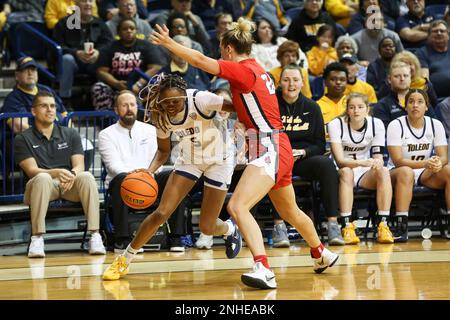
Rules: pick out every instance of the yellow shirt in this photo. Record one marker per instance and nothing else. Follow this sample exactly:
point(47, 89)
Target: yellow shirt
point(55, 10)
point(306, 89)
point(364, 88)
point(318, 59)
point(331, 109)
point(339, 11)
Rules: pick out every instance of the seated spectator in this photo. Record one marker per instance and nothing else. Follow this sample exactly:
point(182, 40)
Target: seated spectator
point(346, 44)
point(425, 164)
point(304, 27)
point(195, 78)
point(177, 23)
point(118, 61)
point(289, 53)
point(368, 38)
point(303, 123)
point(378, 70)
point(341, 10)
point(223, 21)
point(55, 10)
point(72, 40)
point(447, 14)
point(417, 81)
point(368, 7)
point(353, 83)
point(413, 27)
point(324, 52)
point(128, 9)
point(357, 144)
point(393, 105)
point(20, 99)
point(332, 104)
point(55, 167)
point(195, 27)
point(435, 58)
point(266, 44)
point(291, 4)
point(270, 10)
point(393, 9)
point(443, 114)
point(129, 146)
point(108, 9)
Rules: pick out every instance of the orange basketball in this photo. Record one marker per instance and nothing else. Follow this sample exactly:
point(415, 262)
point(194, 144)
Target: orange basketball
point(139, 190)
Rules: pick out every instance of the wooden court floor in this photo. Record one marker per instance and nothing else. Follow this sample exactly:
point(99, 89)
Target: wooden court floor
point(416, 270)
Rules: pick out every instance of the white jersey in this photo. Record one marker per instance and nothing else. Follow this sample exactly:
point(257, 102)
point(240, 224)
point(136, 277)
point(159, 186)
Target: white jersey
point(200, 141)
point(357, 145)
point(417, 144)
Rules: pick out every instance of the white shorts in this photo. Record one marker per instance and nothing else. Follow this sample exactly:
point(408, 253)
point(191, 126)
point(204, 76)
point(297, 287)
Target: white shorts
point(417, 174)
point(216, 175)
point(268, 161)
point(358, 173)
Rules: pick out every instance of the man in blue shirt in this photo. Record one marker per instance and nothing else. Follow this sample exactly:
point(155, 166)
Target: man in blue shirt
point(21, 98)
point(413, 27)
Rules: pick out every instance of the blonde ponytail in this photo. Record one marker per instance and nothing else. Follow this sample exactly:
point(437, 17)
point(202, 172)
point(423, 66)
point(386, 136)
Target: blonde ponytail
point(239, 36)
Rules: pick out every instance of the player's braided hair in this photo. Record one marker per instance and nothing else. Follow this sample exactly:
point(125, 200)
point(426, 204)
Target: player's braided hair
point(154, 112)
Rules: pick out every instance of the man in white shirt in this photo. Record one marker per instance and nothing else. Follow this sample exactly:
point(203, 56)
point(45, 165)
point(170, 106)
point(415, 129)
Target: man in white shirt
point(126, 146)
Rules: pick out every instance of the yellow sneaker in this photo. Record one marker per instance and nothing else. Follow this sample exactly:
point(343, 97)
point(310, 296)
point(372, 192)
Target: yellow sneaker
point(384, 234)
point(117, 269)
point(349, 234)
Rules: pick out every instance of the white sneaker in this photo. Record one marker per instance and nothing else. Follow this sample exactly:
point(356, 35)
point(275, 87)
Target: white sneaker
point(36, 249)
point(260, 277)
point(204, 241)
point(96, 244)
point(328, 259)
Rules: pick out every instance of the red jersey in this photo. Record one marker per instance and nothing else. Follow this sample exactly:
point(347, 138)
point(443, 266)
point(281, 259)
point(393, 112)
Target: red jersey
point(254, 97)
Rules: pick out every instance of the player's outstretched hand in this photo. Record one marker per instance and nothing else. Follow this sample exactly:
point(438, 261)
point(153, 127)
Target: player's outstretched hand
point(160, 36)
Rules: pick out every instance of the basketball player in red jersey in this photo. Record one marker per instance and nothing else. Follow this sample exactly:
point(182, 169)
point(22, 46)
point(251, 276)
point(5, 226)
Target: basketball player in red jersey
point(270, 173)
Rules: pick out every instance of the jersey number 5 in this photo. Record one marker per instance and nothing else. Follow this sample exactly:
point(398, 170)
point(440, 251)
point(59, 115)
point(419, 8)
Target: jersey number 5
point(269, 83)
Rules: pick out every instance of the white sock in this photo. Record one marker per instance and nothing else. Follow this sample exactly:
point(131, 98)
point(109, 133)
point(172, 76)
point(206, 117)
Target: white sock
point(231, 228)
point(401, 213)
point(130, 253)
point(383, 213)
point(448, 212)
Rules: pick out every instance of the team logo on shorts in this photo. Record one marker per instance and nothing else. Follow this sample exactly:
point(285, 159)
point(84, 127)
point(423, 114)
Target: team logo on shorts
point(267, 160)
point(193, 115)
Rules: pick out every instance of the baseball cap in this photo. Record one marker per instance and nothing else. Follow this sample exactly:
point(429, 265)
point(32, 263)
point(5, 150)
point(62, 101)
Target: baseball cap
point(25, 62)
point(349, 57)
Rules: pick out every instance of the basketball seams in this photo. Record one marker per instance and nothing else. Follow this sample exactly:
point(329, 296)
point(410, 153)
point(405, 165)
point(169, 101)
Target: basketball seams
point(133, 192)
point(143, 181)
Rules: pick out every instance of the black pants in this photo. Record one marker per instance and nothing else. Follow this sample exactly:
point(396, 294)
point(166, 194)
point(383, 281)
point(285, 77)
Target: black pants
point(120, 211)
point(322, 169)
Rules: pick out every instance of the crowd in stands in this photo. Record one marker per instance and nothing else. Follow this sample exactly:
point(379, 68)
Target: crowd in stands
point(330, 49)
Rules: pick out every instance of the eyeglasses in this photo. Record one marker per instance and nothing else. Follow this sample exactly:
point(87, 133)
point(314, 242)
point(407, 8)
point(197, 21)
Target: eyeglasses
point(439, 31)
point(46, 106)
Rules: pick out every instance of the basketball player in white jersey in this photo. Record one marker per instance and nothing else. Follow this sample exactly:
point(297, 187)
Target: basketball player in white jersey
point(188, 114)
point(357, 144)
point(412, 140)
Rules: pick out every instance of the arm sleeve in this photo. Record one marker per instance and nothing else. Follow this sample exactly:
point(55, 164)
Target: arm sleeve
point(109, 155)
point(237, 74)
point(380, 134)
point(422, 58)
point(393, 136)
point(400, 24)
point(337, 8)
point(58, 35)
point(318, 146)
point(106, 37)
point(21, 151)
point(379, 111)
point(439, 134)
point(77, 146)
point(50, 14)
point(207, 102)
point(334, 130)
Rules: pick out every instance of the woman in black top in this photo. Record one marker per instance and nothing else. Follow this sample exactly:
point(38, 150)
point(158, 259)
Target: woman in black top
point(118, 60)
point(303, 123)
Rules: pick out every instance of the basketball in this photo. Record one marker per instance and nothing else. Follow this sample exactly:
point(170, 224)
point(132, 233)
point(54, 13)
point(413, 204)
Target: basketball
point(139, 190)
